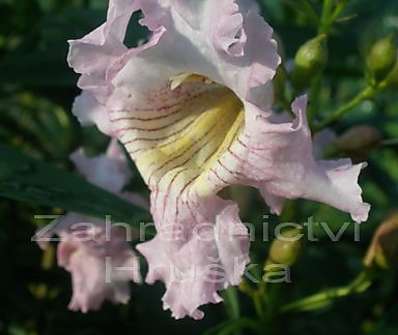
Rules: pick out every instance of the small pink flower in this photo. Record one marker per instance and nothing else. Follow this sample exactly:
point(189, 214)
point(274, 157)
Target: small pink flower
point(101, 266)
point(193, 107)
point(98, 256)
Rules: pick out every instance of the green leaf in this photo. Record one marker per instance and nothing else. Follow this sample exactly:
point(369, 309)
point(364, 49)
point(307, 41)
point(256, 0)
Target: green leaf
point(45, 65)
point(40, 124)
point(23, 178)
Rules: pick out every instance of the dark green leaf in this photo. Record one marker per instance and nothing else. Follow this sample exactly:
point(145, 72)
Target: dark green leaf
point(25, 179)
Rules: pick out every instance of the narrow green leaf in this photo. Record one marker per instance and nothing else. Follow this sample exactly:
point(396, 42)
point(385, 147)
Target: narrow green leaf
point(23, 178)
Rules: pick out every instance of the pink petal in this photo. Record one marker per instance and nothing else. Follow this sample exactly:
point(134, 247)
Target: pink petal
point(91, 55)
point(277, 158)
point(109, 171)
point(98, 55)
point(321, 141)
point(90, 112)
point(196, 260)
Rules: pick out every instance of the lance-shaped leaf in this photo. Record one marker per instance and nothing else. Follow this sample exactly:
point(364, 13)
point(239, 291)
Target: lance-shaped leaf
point(26, 179)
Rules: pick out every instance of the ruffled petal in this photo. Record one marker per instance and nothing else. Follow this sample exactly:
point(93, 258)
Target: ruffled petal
point(321, 142)
point(226, 52)
point(100, 55)
point(90, 112)
point(199, 250)
point(91, 55)
point(278, 159)
point(233, 244)
point(109, 171)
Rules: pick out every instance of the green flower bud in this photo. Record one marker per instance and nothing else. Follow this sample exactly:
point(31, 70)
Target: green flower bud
point(383, 250)
point(310, 60)
point(286, 248)
point(382, 57)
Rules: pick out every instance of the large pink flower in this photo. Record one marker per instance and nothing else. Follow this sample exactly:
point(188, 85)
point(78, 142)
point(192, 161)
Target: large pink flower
point(99, 257)
point(193, 108)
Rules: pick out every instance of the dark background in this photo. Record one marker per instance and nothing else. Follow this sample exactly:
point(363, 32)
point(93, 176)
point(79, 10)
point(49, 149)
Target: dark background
point(36, 92)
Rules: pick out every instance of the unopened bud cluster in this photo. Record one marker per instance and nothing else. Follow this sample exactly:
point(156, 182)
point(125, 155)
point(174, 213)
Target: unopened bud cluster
point(382, 58)
point(286, 248)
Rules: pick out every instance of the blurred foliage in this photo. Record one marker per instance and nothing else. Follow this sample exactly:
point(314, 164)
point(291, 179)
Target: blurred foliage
point(36, 92)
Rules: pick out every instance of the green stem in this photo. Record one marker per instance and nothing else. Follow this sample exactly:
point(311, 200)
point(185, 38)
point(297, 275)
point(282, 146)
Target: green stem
point(314, 94)
point(366, 94)
point(309, 10)
point(329, 16)
point(339, 9)
point(319, 300)
point(258, 305)
point(231, 303)
point(256, 295)
point(231, 299)
point(325, 24)
point(326, 21)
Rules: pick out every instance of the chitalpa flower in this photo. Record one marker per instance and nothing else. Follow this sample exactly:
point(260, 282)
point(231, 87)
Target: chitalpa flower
point(99, 258)
point(193, 107)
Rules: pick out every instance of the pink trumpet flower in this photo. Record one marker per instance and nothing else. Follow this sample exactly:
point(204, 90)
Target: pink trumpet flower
point(99, 258)
point(193, 107)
